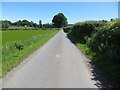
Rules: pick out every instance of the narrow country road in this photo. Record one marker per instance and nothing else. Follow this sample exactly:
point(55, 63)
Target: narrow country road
point(57, 64)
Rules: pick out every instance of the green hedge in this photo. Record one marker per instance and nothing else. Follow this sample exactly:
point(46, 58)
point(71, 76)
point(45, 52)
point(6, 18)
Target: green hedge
point(67, 29)
point(81, 31)
point(102, 44)
point(97, 23)
point(106, 42)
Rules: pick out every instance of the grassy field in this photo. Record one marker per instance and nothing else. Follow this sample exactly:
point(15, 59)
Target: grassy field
point(19, 44)
point(15, 35)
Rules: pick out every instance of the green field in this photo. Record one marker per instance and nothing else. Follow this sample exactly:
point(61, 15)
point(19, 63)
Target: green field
point(18, 44)
point(10, 36)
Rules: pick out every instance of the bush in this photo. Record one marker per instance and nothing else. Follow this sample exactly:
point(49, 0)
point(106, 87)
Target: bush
point(44, 29)
point(19, 46)
point(107, 38)
point(106, 43)
point(67, 29)
point(81, 31)
point(97, 23)
point(101, 44)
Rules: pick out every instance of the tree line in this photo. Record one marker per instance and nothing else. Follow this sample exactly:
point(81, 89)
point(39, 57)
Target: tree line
point(58, 21)
point(23, 23)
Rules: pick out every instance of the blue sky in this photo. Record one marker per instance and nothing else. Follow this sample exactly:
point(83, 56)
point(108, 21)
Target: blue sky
point(74, 11)
point(119, 10)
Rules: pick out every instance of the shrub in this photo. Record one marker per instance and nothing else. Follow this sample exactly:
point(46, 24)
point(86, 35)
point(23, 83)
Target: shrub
point(19, 46)
point(97, 23)
point(106, 43)
point(106, 38)
point(44, 29)
point(81, 31)
point(67, 29)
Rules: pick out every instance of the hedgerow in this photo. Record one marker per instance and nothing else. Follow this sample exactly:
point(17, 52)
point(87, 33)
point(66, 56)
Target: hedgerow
point(67, 29)
point(106, 42)
point(81, 31)
point(102, 43)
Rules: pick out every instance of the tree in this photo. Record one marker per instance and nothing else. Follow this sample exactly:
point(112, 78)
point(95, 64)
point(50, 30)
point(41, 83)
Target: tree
point(31, 24)
point(111, 19)
point(59, 20)
point(35, 25)
point(47, 25)
point(25, 23)
point(40, 24)
point(18, 23)
point(6, 24)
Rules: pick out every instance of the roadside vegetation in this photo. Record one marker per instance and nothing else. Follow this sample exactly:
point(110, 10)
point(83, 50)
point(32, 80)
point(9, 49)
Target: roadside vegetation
point(21, 38)
point(19, 44)
point(99, 40)
point(15, 35)
point(58, 21)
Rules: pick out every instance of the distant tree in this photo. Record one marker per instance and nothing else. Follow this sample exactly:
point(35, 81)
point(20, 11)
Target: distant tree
point(25, 23)
point(18, 23)
point(31, 24)
point(40, 24)
point(47, 25)
point(111, 20)
point(104, 21)
point(35, 25)
point(59, 20)
point(6, 24)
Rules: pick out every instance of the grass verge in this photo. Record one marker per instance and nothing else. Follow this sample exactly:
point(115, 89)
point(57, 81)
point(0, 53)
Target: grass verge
point(86, 50)
point(110, 70)
point(14, 53)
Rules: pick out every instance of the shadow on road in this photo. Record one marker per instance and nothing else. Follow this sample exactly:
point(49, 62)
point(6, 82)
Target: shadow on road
point(98, 76)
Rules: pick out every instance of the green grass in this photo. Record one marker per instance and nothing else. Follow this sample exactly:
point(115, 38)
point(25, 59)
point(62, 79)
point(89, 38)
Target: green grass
point(86, 50)
point(26, 28)
point(15, 35)
point(21, 28)
point(111, 70)
point(12, 56)
point(101, 60)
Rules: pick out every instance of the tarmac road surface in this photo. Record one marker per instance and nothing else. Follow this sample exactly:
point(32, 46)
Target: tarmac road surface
point(57, 64)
